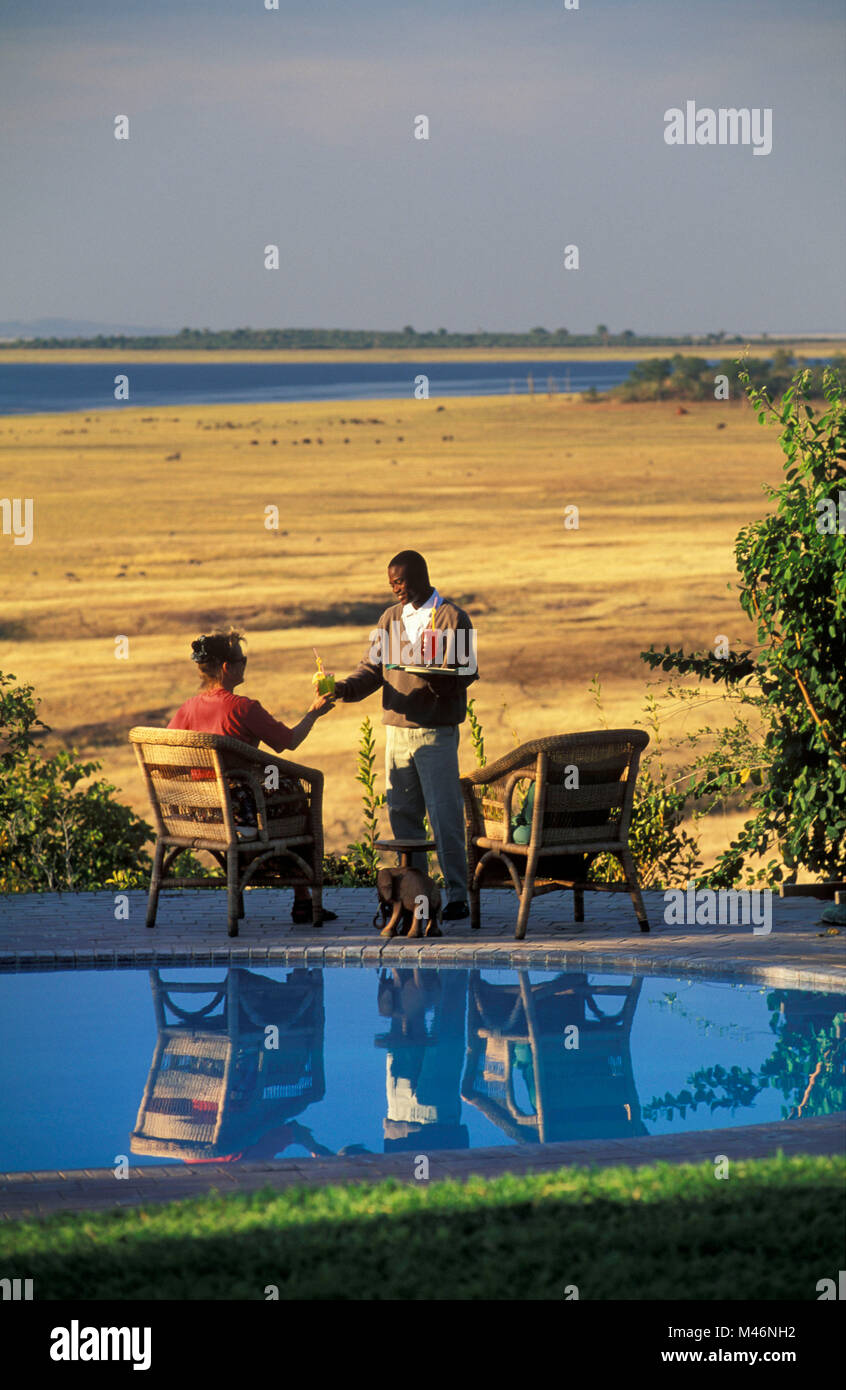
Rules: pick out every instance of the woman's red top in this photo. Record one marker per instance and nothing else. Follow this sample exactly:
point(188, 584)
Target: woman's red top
point(219, 711)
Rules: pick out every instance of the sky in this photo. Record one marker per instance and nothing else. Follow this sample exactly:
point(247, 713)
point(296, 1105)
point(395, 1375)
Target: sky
point(251, 127)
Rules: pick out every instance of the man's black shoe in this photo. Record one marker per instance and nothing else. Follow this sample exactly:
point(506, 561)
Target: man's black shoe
point(454, 911)
point(301, 912)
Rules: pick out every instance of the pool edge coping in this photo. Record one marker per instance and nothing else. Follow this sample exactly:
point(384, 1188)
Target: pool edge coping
point(342, 952)
point(70, 1191)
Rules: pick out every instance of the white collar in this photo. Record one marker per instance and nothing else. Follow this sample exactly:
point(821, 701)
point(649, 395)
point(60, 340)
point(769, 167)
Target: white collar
point(409, 610)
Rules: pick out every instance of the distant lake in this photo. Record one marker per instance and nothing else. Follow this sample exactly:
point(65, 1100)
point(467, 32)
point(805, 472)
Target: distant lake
point(39, 388)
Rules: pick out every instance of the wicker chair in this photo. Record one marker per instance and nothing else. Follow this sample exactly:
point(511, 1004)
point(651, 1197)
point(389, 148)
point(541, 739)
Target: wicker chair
point(577, 815)
point(188, 778)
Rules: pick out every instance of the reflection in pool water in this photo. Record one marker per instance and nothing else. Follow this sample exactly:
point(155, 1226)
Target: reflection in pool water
point(250, 1064)
point(229, 1074)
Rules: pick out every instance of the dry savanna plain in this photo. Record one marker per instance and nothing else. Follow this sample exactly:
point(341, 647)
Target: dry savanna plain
point(152, 525)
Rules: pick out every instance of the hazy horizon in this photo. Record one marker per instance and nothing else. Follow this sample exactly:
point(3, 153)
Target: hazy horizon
point(74, 328)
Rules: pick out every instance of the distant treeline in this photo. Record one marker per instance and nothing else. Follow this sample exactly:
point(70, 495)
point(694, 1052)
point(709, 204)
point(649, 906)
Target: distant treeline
point(694, 379)
point(303, 338)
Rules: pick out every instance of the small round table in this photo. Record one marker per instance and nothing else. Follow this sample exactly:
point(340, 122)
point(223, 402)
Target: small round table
point(405, 848)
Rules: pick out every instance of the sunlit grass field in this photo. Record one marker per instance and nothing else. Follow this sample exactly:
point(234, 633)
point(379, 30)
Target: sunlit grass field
point(151, 524)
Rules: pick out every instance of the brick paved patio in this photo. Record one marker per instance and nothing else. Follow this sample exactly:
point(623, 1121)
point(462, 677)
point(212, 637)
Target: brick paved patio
point(53, 931)
point(60, 930)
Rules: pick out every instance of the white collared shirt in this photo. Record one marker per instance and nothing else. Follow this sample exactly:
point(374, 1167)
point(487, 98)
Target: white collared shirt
point(414, 620)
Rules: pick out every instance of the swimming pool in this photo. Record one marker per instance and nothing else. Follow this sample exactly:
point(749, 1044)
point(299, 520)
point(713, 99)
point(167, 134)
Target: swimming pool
point(238, 1064)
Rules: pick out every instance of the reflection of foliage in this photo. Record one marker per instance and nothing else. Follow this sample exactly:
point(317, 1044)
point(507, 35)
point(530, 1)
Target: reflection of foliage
point(672, 1003)
point(807, 1066)
point(739, 1087)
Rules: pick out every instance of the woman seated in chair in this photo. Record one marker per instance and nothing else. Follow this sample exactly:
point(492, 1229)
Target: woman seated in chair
point(218, 710)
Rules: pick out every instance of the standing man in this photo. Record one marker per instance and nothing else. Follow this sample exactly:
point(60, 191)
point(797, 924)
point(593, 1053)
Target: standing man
point(422, 714)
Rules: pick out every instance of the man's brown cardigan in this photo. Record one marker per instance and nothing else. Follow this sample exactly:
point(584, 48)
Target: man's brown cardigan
point(411, 701)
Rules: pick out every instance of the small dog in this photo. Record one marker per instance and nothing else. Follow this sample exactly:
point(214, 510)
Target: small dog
point(400, 893)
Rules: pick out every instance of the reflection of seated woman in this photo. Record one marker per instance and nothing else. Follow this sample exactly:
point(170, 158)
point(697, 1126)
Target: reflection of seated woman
point(218, 710)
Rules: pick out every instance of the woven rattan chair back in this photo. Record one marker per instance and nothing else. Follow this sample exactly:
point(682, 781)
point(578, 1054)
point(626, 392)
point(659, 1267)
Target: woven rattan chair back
point(192, 780)
point(584, 787)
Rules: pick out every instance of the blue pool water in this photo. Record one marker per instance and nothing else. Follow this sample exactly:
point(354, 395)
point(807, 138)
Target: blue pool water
point(177, 1064)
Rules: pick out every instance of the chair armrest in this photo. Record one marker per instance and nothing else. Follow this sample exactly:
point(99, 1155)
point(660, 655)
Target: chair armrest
point(480, 775)
point(246, 754)
point(308, 774)
point(494, 772)
point(508, 794)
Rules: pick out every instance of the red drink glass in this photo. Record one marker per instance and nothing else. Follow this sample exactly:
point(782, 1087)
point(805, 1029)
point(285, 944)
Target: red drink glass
point(432, 645)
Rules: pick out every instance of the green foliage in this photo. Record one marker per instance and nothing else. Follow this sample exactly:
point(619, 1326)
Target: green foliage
point(185, 865)
point(792, 566)
point(664, 854)
point(476, 735)
point(651, 369)
point(684, 377)
point(652, 1233)
point(363, 854)
point(348, 870)
point(269, 339)
point(55, 834)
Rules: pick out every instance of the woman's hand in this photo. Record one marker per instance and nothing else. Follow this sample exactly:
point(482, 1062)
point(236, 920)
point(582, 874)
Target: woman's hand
point(321, 704)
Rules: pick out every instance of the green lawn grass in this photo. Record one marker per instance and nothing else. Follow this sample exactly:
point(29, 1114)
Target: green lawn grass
point(771, 1230)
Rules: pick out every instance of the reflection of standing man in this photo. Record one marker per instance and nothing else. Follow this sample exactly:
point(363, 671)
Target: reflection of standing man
point(422, 714)
point(423, 1071)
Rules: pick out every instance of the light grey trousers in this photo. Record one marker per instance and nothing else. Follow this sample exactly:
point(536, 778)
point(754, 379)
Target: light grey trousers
point(421, 777)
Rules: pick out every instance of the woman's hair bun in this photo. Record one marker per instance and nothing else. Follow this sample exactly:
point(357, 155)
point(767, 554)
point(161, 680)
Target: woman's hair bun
point(216, 647)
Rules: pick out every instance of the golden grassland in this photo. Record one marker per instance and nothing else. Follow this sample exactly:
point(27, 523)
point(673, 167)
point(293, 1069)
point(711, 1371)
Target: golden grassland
point(56, 356)
point(151, 524)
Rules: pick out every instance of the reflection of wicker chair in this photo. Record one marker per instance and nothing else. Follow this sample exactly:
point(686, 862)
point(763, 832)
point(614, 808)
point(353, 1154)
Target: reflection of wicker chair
point(584, 790)
point(520, 1073)
point(214, 1086)
point(188, 777)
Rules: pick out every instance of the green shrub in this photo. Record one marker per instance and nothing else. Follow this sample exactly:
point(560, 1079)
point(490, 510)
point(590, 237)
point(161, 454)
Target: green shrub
point(688, 378)
point(665, 855)
point(363, 854)
point(476, 735)
point(792, 567)
point(55, 834)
